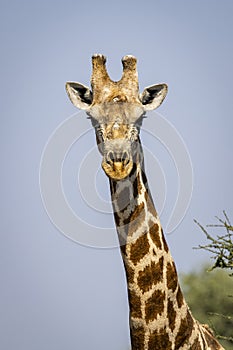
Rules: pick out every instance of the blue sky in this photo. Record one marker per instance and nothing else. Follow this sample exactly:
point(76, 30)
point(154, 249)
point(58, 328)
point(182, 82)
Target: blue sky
point(55, 293)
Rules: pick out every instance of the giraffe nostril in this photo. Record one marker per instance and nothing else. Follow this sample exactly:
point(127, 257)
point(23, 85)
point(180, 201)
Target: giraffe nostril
point(116, 157)
point(110, 157)
point(125, 158)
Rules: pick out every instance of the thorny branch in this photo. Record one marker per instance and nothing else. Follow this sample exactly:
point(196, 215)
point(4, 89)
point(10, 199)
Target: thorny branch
point(222, 246)
point(222, 252)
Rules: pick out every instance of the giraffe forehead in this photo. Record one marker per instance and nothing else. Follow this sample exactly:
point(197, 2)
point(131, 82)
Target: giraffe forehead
point(116, 113)
point(117, 127)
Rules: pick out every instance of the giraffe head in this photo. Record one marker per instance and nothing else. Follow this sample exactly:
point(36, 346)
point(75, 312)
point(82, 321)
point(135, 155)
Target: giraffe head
point(116, 110)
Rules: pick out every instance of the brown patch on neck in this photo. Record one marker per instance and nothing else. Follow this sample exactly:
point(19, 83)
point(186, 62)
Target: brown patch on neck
point(185, 331)
point(179, 297)
point(159, 341)
point(151, 275)
point(113, 186)
point(123, 199)
point(154, 234)
point(137, 337)
point(135, 219)
point(172, 280)
point(129, 271)
point(134, 305)
point(139, 249)
point(165, 246)
point(171, 313)
point(122, 241)
point(154, 305)
point(196, 345)
point(117, 219)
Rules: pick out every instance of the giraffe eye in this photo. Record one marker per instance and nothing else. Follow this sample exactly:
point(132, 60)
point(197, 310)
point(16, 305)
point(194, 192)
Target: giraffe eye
point(100, 133)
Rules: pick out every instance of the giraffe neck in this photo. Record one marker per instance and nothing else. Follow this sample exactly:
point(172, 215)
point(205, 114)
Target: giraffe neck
point(159, 315)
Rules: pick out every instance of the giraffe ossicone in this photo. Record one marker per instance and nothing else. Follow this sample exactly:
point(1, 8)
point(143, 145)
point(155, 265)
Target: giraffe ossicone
point(159, 316)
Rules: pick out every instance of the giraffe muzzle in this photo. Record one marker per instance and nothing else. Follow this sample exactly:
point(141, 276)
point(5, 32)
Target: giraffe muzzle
point(117, 165)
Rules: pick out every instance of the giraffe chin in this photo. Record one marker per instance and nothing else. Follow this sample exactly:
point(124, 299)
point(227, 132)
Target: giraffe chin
point(117, 170)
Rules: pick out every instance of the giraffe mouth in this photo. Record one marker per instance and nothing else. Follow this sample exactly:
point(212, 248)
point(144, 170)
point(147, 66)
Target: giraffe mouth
point(117, 170)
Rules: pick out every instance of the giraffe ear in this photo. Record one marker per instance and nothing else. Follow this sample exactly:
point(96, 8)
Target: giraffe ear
point(153, 96)
point(80, 95)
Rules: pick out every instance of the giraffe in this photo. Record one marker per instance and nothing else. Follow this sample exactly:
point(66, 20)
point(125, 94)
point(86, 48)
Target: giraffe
point(159, 316)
